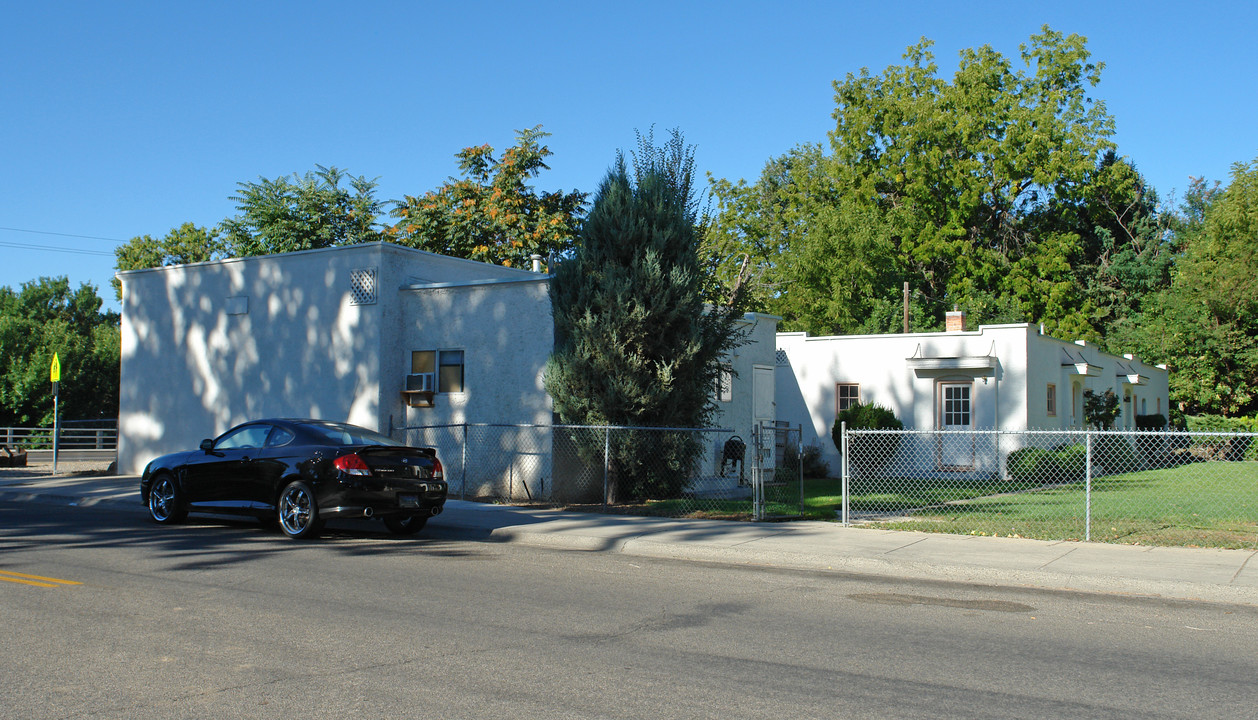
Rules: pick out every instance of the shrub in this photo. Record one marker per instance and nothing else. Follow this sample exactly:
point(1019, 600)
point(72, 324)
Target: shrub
point(1150, 422)
point(1234, 449)
point(1028, 464)
point(1066, 463)
point(870, 416)
point(814, 466)
point(866, 416)
point(1071, 463)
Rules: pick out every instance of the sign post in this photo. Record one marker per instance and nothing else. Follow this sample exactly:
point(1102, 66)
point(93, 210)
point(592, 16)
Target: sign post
point(54, 374)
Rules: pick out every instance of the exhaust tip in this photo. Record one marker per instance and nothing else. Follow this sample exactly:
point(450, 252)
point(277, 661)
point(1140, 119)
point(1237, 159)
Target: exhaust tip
point(368, 512)
point(436, 510)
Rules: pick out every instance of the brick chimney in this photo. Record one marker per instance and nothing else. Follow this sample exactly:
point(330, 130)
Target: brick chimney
point(954, 321)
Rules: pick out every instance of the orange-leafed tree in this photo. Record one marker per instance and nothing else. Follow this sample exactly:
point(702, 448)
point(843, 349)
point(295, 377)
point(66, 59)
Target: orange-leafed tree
point(492, 213)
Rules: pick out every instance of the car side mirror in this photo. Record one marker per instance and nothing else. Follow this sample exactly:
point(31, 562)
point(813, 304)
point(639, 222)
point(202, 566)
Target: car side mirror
point(207, 445)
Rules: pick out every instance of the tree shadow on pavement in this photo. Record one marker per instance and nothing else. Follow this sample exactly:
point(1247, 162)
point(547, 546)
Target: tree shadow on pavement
point(200, 542)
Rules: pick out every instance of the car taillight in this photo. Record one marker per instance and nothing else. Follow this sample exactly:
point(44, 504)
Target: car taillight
point(351, 465)
point(437, 472)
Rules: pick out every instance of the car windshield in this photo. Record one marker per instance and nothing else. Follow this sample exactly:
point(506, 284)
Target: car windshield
point(340, 434)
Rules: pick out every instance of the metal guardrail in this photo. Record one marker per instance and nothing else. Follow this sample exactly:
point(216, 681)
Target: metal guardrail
point(71, 438)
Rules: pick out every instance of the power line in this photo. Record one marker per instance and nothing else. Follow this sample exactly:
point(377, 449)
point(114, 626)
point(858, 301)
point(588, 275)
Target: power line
point(74, 251)
point(45, 232)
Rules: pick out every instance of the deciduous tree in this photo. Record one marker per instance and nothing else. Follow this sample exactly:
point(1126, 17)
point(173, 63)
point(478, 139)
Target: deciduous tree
point(967, 187)
point(493, 213)
point(45, 317)
point(187, 243)
point(1205, 325)
point(308, 212)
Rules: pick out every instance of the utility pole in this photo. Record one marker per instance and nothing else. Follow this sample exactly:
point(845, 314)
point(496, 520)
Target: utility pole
point(906, 307)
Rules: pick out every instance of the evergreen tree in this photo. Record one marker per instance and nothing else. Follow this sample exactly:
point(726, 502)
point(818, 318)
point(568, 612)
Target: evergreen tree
point(635, 343)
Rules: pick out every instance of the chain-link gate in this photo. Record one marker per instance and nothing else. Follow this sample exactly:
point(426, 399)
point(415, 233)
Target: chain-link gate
point(777, 472)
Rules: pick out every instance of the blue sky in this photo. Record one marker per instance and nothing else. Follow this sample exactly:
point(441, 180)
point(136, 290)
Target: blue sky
point(130, 118)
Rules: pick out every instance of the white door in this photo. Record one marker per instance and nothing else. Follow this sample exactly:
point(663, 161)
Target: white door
point(956, 448)
point(763, 410)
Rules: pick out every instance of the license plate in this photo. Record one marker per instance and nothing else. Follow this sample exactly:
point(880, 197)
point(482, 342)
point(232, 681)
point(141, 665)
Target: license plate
point(408, 501)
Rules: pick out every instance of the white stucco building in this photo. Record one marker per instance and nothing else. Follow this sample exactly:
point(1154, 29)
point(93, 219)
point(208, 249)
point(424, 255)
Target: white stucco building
point(1007, 377)
point(378, 335)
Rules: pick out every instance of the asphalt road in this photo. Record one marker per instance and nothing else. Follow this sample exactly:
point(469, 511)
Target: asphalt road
point(222, 619)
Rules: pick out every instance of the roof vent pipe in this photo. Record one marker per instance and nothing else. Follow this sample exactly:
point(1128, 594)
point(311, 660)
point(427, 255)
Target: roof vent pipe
point(537, 263)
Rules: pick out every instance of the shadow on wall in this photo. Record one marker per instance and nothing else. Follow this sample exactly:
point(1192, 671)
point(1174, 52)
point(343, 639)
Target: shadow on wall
point(207, 347)
point(507, 336)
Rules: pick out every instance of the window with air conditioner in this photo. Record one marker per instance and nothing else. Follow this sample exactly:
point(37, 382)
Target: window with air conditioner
point(439, 371)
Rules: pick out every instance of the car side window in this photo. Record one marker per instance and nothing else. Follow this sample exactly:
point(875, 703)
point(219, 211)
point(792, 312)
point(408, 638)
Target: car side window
point(250, 436)
point(279, 437)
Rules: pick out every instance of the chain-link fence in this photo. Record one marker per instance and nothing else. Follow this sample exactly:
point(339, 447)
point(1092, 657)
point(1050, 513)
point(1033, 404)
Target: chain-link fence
point(673, 472)
point(1157, 488)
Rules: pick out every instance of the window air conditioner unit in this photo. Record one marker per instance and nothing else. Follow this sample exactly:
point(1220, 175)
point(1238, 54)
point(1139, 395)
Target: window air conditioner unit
point(420, 382)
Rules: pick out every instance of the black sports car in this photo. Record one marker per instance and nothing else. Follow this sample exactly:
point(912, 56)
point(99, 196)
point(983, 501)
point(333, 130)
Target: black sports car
point(301, 473)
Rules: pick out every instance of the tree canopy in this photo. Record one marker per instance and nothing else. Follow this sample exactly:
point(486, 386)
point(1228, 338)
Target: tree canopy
point(187, 243)
point(308, 212)
point(976, 190)
point(1205, 323)
point(492, 213)
point(44, 317)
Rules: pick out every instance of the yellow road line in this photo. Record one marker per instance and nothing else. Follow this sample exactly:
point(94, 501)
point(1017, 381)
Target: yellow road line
point(25, 579)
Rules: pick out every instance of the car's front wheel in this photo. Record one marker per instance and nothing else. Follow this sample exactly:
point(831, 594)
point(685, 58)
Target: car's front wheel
point(298, 512)
point(166, 500)
point(405, 524)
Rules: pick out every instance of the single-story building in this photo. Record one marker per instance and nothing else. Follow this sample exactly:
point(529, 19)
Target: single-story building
point(1006, 377)
point(379, 335)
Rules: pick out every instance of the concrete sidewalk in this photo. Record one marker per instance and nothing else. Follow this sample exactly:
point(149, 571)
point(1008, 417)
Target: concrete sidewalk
point(1229, 576)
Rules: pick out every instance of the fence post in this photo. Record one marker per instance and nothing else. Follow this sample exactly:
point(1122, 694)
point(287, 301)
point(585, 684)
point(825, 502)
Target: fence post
point(463, 462)
point(757, 473)
point(607, 451)
point(1087, 487)
point(799, 453)
point(843, 470)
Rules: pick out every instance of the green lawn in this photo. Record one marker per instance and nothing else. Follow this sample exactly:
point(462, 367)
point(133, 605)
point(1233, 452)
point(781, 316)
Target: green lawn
point(1200, 504)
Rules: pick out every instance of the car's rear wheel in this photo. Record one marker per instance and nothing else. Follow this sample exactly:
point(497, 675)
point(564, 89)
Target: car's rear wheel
point(298, 512)
point(405, 524)
point(166, 500)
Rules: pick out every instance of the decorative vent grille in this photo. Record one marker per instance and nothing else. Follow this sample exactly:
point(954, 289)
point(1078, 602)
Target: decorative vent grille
point(362, 286)
point(783, 360)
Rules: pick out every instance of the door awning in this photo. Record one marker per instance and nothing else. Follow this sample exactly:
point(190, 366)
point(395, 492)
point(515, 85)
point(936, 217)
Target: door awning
point(1076, 364)
point(1128, 375)
point(970, 364)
